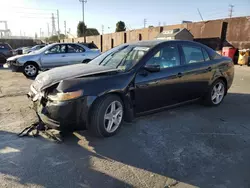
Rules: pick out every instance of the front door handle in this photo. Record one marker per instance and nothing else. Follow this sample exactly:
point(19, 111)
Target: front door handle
point(63, 56)
point(179, 75)
point(209, 69)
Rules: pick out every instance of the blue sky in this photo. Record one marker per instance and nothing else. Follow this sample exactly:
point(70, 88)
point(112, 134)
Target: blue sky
point(28, 16)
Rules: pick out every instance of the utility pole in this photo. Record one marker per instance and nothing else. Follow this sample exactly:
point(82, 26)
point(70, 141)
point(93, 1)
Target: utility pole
point(40, 33)
point(53, 25)
point(200, 14)
point(145, 22)
point(48, 28)
point(102, 29)
point(65, 28)
point(58, 25)
point(83, 1)
point(230, 14)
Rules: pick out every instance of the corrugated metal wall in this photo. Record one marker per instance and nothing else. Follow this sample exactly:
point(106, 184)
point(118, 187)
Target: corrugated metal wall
point(214, 33)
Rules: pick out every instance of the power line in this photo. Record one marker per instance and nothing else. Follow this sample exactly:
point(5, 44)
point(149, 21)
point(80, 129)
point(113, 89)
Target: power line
point(32, 8)
point(200, 14)
point(230, 14)
point(33, 13)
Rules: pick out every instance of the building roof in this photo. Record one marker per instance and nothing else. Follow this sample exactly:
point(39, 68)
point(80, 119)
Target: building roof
point(171, 33)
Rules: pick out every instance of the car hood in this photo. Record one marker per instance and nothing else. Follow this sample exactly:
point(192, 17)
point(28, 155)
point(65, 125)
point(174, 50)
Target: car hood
point(13, 58)
point(53, 76)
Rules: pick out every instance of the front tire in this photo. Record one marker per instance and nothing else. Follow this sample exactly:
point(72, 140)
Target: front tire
point(106, 116)
point(30, 70)
point(216, 93)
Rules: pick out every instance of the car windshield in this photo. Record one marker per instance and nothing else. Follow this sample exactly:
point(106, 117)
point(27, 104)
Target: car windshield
point(43, 49)
point(34, 47)
point(123, 57)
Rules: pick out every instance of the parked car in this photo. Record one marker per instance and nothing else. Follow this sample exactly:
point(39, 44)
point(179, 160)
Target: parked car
point(53, 55)
point(36, 47)
point(128, 81)
point(5, 52)
point(21, 50)
point(90, 45)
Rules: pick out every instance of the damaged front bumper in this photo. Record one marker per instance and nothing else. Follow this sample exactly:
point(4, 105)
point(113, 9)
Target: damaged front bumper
point(68, 115)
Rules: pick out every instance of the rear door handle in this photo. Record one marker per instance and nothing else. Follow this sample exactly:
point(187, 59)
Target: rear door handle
point(63, 56)
point(179, 75)
point(209, 69)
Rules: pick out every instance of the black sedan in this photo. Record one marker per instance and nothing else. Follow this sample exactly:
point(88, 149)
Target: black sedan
point(128, 81)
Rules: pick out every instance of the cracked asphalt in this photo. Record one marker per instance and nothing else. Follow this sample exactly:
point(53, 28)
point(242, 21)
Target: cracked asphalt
point(189, 146)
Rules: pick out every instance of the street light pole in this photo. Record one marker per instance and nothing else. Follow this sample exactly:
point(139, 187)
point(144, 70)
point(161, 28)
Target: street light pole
point(83, 1)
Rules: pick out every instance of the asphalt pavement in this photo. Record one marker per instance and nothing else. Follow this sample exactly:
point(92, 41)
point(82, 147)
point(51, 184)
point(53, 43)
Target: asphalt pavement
point(189, 146)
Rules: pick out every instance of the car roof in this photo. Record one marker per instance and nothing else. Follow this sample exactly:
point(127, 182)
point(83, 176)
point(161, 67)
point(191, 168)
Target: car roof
point(152, 43)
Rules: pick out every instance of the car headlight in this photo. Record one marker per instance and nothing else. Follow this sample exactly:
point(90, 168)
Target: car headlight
point(65, 96)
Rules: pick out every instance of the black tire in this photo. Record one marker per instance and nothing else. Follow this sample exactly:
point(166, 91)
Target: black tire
point(208, 98)
point(2, 59)
point(97, 121)
point(35, 68)
point(86, 61)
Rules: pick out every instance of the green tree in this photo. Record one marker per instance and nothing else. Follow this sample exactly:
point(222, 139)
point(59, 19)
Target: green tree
point(54, 38)
point(88, 31)
point(80, 29)
point(120, 26)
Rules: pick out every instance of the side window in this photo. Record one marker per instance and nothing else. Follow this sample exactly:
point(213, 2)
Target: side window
point(167, 56)
point(192, 54)
point(72, 48)
point(206, 56)
point(60, 48)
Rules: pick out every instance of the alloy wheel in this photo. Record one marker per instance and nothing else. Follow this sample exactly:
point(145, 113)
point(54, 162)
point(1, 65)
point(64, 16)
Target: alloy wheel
point(30, 70)
point(113, 116)
point(218, 92)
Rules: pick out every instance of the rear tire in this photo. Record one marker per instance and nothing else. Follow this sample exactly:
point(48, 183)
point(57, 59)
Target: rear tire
point(216, 93)
point(107, 116)
point(30, 70)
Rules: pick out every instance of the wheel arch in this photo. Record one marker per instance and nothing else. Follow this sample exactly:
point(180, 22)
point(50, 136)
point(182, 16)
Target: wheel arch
point(126, 100)
point(32, 62)
point(223, 79)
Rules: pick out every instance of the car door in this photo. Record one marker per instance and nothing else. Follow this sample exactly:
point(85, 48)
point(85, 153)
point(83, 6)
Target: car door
point(155, 90)
point(75, 54)
point(55, 56)
point(198, 70)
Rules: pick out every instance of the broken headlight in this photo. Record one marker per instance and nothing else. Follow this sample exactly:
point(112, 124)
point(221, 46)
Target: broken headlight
point(65, 96)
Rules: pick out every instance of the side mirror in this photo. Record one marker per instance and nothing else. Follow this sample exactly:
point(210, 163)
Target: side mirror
point(152, 68)
point(46, 52)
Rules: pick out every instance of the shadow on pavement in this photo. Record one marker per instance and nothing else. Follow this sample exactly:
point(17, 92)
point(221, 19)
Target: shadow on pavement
point(38, 162)
point(205, 147)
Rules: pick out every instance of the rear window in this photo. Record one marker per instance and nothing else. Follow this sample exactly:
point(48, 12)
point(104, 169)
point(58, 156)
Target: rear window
point(90, 45)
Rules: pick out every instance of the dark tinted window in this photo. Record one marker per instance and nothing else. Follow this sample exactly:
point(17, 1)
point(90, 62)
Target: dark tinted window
point(90, 45)
point(167, 56)
point(72, 48)
point(206, 56)
point(192, 54)
point(5, 46)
